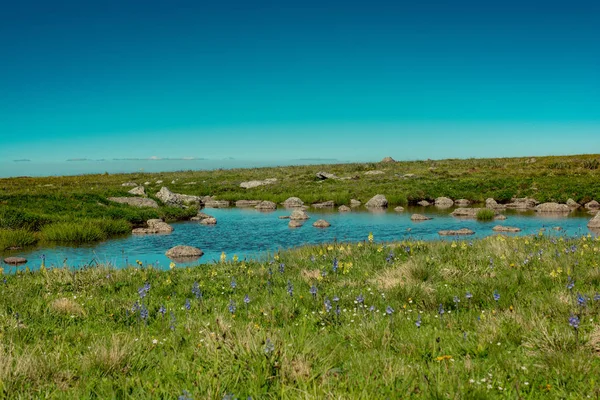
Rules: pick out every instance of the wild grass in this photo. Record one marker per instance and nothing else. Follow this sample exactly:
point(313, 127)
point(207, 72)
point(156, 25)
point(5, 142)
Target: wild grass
point(85, 230)
point(485, 214)
point(16, 238)
point(454, 319)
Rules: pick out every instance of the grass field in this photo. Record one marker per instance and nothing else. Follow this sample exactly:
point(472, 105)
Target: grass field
point(32, 204)
point(500, 317)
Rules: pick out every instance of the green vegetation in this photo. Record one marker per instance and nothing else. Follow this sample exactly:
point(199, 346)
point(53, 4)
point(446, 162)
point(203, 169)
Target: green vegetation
point(485, 214)
point(85, 231)
point(12, 238)
point(493, 318)
point(33, 203)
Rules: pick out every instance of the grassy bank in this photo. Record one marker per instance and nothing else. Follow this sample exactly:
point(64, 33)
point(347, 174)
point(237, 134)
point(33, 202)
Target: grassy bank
point(33, 203)
point(493, 318)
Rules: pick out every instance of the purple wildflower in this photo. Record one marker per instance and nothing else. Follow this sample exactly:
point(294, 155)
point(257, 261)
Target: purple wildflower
point(574, 321)
point(418, 322)
point(389, 310)
point(188, 305)
point(246, 299)
point(496, 295)
point(231, 307)
point(313, 291)
point(290, 288)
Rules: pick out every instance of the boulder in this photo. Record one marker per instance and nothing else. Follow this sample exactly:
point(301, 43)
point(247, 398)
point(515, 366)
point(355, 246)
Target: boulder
point(375, 172)
point(168, 197)
point(325, 204)
point(208, 221)
point(129, 184)
point(321, 224)
point(522, 203)
point(266, 205)
point(200, 216)
point(299, 215)
point(135, 201)
point(15, 260)
point(462, 202)
point(399, 209)
point(462, 231)
point(419, 217)
point(592, 205)
point(154, 226)
point(354, 203)
point(552, 208)
point(501, 228)
point(573, 204)
point(594, 222)
point(388, 160)
point(183, 252)
point(325, 175)
point(424, 203)
point(253, 184)
point(247, 203)
point(491, 203)
point(138, 191)
point(293, 202)
point(444, 202)
point(377, 201)
point(295, 224)
point(344, 209)
point(217, 203)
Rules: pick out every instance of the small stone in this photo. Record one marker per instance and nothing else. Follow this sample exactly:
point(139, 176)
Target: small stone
point(293, 202)
point(501, 228)
point(443, 202)
point(377, 201)
point(184, 252)
point(344, 209)
point(419, 217)
point(462, 202)
point(15, 260)
point(325, 204)
point(295, 224)
point(459, 232)
point(354, 203)
point(321, 224)
point(299, 215)
point(399, 209)
point(266, 205)
point(129, 184)
point(424, 203)
point(138, 191)
point(209, 221)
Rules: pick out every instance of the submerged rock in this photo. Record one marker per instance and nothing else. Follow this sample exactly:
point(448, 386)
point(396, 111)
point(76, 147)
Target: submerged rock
point(462, 231)
point(321, 224)
point(377, 201)
point(184, 252)
point(200, 216)
point(208, 221)
point(135, 201)
point(15, 260)
point(155, 226)
point(501, 228)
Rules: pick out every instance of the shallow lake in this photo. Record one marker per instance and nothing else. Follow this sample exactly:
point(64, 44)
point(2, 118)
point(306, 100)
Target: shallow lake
point(252, 234)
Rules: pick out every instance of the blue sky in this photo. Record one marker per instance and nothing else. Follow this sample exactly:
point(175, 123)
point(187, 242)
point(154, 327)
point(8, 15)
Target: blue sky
point(283, 80)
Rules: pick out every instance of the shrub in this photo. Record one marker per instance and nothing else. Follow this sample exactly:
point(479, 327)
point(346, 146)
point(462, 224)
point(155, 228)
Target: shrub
point(485, 214)
point(16, 238)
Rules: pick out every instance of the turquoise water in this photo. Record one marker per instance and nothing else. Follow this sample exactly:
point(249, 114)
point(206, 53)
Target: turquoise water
point(252, 234)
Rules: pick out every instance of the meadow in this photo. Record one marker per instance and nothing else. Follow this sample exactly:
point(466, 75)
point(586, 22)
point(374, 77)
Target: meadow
point(500, 317)
point(75, 209)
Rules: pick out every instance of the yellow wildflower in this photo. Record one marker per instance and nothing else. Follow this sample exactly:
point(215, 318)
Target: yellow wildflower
point(235, 258)
point(453, 245)
point(223, 257)
point(359, 244)
point(172, 265)
point(276, 257)
point(329, 248)
point(380, 249)
point(443, 358)
point(370, 237)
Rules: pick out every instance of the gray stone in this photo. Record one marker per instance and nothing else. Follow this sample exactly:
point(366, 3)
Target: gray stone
point(377, 201)
point(419, 217)
point(592, 205)
point(299, 215)
point(459, 232)
point(129, 184)
point(181, 252)
point(501, 228)
point(344, 209)
point(443, 202)
point(168, 198)
point(217, 204)
point(321, 223)
point(354, 203)
point(293, 202)
point(154, 226)
point(594, 222)
point(295, 224)
point(409, 176)
point(552, 208)
point(424, 203)
point(523, 203)
point(500, 217)
point(573, 204)
point(135, 201)
point(266, 205)
point(208, 221)
point(325, 175)
point(200, 216)
point(388, 160)
point(253, 184)
point(399, 209)
point(375, 172)
point(247, 203)
point(15, 260)
point(138, 191)
point(325, 204)
point(491, 203)
point(462, 202)
point(284, 217)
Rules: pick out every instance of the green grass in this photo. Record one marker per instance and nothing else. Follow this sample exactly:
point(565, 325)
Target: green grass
point(84, 231)
point(81, 334)
point(17, 238)
point(485, 214)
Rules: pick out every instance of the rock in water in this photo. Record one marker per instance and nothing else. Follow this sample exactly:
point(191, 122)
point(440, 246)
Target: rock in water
point(325, 204)
point(573, 204)
point(462, 202)
point(321, 224)
point(344, 209)
point(419, 217)
point(592, 205)
point(459, 232)
point(552, 208)
point(208, 221)
point(354, 203)
point(295, 224)
point(154, 226)
point(444, 202)
point(377, 201)
point(266, 205)
point(594, 222)
point(500, 228)
point(399, 209)
point(15, 260)
point(299, 215)
point(179, 252)
point(424, 203)
point(247, 203)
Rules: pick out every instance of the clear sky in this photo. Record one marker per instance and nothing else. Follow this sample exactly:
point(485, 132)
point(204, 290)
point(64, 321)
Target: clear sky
point(287, 79)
